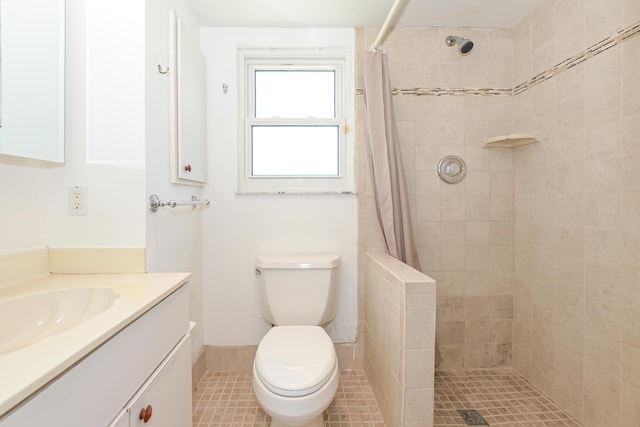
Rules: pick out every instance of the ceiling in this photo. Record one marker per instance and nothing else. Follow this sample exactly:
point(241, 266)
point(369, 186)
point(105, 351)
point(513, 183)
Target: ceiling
point(361, 13)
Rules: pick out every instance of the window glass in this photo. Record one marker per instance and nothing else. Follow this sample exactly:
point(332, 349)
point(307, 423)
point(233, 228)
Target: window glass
point(295, 151)
point(294, 94)
point(296, 133)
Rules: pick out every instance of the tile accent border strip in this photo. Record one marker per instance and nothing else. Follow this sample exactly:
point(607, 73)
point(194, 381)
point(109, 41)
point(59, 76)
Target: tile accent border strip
point(439, 91)
point(568, 63)
point(421, 91)
point(579, 58)
point(453, 92)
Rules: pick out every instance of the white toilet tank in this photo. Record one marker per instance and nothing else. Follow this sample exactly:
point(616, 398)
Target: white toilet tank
point(300, 289)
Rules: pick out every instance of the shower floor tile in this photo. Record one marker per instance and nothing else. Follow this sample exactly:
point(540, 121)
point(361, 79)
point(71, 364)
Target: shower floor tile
point(502, 396)
point(226, 399)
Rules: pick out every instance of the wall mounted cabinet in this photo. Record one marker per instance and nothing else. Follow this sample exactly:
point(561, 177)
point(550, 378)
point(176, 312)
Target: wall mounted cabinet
point(32, 73)
point(188, 106)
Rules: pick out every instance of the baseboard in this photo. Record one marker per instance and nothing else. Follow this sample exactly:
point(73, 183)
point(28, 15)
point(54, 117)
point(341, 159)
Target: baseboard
point(240, 358)
point(198, 369)
point(350, 355)
point(230, 358)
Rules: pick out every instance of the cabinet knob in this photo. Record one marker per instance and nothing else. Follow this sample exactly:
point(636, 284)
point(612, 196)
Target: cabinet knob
point(145, 414)
point(187, 168)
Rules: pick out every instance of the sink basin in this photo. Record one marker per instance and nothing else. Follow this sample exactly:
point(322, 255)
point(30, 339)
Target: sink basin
point(27, 319)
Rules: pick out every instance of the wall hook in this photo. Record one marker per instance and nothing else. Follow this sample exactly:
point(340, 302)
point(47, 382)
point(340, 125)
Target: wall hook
point(160, 69)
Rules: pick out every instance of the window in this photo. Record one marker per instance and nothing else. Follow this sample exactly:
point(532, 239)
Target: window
point(297, 106)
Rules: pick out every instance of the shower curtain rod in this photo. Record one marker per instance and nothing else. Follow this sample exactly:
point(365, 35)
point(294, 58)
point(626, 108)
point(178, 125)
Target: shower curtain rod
point(387, 27)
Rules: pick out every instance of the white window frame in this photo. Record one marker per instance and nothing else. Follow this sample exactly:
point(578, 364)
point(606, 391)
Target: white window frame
point(339, 60)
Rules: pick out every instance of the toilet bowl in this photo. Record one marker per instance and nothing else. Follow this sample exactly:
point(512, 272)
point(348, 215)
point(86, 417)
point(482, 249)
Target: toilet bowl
point(295, 375)
point(295, 371)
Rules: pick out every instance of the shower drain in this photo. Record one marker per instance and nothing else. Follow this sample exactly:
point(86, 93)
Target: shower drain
point(472, 417)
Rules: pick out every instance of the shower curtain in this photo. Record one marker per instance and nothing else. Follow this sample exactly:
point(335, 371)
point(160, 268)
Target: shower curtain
point(390, 188)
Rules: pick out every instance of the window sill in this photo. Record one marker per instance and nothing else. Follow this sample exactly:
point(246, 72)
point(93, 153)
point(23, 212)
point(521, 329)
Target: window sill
point(296, 193)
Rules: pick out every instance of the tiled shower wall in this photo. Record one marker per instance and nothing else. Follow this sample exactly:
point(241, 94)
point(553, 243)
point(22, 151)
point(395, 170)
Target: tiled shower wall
point(574, 198)
point(399, 340)
point(464, 231)
point(577, 212)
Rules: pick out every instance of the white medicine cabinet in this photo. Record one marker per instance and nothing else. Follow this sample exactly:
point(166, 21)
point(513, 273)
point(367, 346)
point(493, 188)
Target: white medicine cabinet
point(32, 82)
point(188, 106)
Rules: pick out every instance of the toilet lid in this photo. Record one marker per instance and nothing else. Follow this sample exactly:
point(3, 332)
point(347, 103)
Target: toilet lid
point(295, 360)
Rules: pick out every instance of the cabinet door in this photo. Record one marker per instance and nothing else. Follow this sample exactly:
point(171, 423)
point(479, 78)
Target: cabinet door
point(165, 399)
point(32, 116)
point(188, 105)
point(121, 420)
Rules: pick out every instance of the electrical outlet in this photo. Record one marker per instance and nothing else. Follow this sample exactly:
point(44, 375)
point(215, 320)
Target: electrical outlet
point(78, 200)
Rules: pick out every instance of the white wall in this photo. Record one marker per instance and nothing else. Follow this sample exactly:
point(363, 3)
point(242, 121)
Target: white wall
point(35, 201)
point(173, 236)
point(116, 198)
point(23, 208)
point(238, 227)
point(115, 77)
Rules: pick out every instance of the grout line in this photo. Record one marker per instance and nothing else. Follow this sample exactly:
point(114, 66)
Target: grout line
point(501, 395)
point(226, 399)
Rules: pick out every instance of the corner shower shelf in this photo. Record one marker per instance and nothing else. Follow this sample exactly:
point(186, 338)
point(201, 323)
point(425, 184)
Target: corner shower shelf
point(513, 140)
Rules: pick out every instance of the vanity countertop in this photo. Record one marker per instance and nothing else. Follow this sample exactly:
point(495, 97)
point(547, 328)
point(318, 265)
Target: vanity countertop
point(25, 371)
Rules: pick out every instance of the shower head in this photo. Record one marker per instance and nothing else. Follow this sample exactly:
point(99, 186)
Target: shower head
point(464, 45)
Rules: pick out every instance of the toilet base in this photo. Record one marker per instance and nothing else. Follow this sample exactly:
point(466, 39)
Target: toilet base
point(315, 422)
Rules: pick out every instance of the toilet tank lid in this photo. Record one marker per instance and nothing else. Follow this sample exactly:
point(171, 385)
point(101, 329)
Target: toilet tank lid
point(297, 260)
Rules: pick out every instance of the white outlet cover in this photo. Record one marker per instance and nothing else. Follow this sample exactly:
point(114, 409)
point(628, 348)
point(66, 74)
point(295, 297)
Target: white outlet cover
point(78, 200)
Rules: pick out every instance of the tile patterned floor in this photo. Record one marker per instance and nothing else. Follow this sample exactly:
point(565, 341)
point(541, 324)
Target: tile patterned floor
point(226, 399)
point(502, 396)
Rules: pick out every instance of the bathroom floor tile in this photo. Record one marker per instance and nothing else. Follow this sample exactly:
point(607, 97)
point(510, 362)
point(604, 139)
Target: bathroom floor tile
point(501, 396)
point(225, 399)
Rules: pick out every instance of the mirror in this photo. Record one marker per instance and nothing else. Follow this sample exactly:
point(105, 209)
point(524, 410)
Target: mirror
point(32, 41)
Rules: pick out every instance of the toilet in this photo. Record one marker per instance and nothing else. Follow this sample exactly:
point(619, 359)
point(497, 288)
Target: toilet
point(295, 371)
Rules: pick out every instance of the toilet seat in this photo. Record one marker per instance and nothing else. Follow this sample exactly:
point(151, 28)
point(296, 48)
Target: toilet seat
point(295, 361)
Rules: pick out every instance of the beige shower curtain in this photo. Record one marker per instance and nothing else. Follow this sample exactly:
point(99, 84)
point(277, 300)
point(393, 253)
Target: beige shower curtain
point(390, 188)
point(392, 200)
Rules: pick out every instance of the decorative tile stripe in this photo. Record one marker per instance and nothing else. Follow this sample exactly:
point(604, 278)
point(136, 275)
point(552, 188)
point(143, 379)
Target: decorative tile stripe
point(579, 58)
point(439, 91)
point(593, 50)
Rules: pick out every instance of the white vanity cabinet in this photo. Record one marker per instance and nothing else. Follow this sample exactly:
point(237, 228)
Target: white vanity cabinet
point(148, 363)
point(165, 398)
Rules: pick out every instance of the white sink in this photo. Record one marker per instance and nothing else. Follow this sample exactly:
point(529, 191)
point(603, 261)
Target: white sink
point(27, 319)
